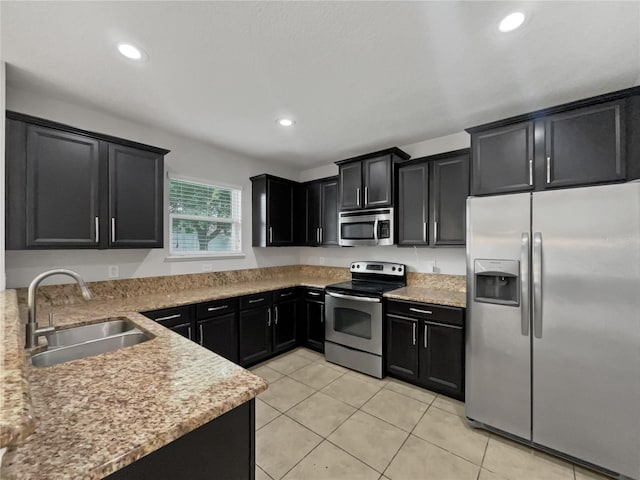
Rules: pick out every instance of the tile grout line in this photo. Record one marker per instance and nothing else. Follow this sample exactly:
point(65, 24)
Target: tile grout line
point(484, 455)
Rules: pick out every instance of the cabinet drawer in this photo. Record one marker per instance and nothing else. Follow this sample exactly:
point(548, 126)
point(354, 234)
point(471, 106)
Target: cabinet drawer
point(314, 294)
point(170, 316)
point(286, 295)
point(256, 300)
point(216, 307)
point(437, 313)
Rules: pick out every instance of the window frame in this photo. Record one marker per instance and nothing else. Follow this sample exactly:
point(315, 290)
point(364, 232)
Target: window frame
point(235, 220)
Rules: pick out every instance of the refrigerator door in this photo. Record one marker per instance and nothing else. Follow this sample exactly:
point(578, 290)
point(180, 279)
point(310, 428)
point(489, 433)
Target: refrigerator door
point(586, 345)
point(498, 349)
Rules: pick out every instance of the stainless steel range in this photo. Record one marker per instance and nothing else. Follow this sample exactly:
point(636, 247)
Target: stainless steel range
point(353, 327)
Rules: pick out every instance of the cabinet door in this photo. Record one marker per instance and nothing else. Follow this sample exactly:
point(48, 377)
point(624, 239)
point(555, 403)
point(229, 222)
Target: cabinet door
point(329, 222)
point(284, 325)
point(502, 160)
point(62, 189)
point(402, 348)
point(442, 358)
point(135, 197)
point(218, 334)
point(183, 329)
point(315, 326)
point(313, 213)
point(413, 204)
point(449, 190)
point(279, 212)
point(377, 182)
point(350, 179)
point(585, 146)
point(254, 335)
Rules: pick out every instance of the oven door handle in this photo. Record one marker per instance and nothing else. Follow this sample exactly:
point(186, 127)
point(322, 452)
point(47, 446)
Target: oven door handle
point(353, 297)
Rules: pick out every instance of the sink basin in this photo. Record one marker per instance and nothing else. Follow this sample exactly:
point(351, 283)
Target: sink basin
point(85, 333)
point(88, 348)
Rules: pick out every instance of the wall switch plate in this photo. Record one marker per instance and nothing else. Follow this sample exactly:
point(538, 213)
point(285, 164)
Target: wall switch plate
point(207, 267)
point(113, 271)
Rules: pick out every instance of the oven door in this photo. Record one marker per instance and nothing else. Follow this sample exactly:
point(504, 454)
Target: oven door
point(354, 321)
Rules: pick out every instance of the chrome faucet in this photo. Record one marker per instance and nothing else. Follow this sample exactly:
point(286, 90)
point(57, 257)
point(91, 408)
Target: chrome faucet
point(32, 324)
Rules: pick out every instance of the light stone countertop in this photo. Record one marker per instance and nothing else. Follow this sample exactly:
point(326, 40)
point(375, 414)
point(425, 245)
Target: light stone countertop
point(90, 417)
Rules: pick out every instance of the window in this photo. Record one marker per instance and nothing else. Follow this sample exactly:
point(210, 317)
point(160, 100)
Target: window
point(204, 219)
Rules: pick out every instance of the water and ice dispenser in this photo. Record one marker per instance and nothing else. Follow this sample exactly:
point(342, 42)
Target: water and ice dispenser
point(497, 281)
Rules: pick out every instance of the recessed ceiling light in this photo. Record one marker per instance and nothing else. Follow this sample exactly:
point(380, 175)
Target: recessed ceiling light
point(131, 52)
point(285, 122)
point(511, 22)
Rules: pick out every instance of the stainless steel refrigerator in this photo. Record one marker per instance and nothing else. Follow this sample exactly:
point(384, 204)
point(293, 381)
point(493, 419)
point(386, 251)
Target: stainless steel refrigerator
point(553, 321)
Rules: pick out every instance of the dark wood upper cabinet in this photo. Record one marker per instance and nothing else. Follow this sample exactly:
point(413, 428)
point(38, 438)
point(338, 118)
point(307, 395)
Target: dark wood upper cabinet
point(69, 188)
point(502, 160)
point(136, 203)
point(449, 192)
point(329, 215)
point(56, 214)
point(585, 146)
point(413, 204)
point(432, 196)
point(366, 181)
point(586, 142)
point(350, 186)
point(322, 212)
point(278, 212)
point(377, 181)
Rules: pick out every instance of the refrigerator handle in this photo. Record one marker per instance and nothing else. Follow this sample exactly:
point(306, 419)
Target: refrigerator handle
point(537, 285)
point(524, 283)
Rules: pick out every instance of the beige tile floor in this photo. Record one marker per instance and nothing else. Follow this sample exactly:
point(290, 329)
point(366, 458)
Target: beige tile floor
point(318, 421)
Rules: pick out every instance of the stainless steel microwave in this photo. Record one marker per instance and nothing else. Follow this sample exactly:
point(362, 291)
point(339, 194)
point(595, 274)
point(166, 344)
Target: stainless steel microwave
point(366, 227)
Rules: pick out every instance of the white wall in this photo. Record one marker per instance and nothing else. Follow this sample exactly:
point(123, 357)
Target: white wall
point(188, 157)
point(439, 260)
point(2, 133)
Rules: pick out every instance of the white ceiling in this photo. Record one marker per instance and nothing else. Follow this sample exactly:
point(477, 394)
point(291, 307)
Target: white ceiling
point(356, 76)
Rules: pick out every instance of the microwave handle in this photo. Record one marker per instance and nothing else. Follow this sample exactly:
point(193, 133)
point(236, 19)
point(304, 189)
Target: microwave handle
point(375, 232)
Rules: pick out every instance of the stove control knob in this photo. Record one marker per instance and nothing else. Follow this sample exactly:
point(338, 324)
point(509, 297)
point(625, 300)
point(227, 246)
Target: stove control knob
point(400, 269)
point(393, 269)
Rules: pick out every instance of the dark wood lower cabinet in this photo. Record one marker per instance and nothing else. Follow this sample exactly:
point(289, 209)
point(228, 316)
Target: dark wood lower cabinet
point(255, 335)
point(314, 325)
point(285, 319)
point(429, 353)
point(219, 334)
point(222, 448)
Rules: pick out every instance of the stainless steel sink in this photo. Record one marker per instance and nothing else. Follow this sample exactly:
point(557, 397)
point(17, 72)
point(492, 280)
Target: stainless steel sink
point(85, 333)
point(88, 348)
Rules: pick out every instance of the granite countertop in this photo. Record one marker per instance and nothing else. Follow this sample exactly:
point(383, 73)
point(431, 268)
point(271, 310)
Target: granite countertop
point(438, 296)
point(90, 417)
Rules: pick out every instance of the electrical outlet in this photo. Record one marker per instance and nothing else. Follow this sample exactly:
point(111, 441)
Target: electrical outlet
point(113, 271)
point(207, 267)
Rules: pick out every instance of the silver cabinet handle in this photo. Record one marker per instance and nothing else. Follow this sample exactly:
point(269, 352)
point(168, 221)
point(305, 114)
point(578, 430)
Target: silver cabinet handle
point(352, 297)
point(269, 319)
point(113, 229)
point(426, 342)
point(537, 284)
point(270, 234)
point(417, 310)
point(97, 229)
point(213, 309)
point(524, 283)
point(424, 232)
point(275, 317)
point(317, 235)
point(435, 232)
point(414, 332)
point(358, 196)
point(314, 294)
point(189, 333)
point(288, 294)
point(322, 313)
point(201, 335)
point(321, 235)
point(256, 300)
point(530, 171)
point(170, 317)
point(366, 196)
point(548, 169)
